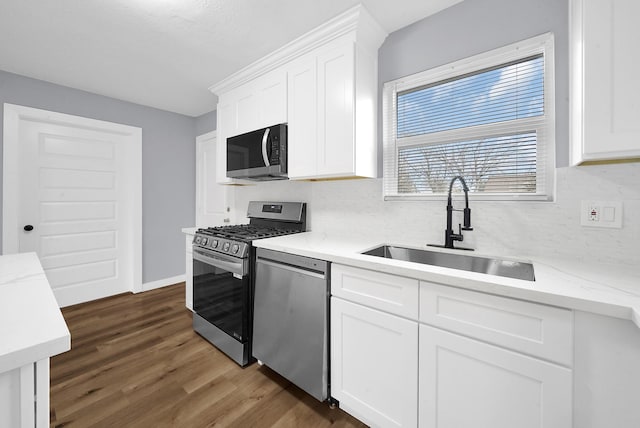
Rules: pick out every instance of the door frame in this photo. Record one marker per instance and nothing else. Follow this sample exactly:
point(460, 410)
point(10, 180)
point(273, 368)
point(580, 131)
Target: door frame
point(13, 115)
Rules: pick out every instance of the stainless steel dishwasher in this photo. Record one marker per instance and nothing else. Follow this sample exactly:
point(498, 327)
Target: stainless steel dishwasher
point(290, 333)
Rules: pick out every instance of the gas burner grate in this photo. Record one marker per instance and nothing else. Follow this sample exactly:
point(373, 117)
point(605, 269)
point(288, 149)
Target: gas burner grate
point(246, 232)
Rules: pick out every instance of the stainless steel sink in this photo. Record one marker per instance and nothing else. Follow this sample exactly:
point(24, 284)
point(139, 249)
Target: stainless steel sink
point(491, 266)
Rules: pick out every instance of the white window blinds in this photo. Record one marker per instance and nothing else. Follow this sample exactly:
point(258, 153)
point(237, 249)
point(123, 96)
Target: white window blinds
point(489, 120)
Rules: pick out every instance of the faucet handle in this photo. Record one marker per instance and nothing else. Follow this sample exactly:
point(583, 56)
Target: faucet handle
point(467, 219)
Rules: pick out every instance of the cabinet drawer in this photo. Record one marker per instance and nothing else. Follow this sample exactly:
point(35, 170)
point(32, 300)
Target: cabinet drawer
point(531, 328)
point(394, 294)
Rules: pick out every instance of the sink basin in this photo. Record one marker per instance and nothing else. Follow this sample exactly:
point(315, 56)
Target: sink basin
point(491, 266)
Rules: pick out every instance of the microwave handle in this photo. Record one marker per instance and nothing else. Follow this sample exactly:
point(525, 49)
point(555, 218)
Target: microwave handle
point(265, 156)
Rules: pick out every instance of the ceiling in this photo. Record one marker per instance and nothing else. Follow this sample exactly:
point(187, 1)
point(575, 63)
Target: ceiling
point(166, 53)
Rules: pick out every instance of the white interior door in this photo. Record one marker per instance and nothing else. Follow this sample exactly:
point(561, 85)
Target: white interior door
point(212, 199)
point(77, 198)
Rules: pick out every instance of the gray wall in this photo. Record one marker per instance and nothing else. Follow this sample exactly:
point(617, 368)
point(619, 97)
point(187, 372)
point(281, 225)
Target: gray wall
point(206, 123)
point(168, 162)
point(475, 26)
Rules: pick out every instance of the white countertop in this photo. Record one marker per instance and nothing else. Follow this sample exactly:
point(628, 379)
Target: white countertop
point(611, 290)
point(31, 325)
point(189, 230)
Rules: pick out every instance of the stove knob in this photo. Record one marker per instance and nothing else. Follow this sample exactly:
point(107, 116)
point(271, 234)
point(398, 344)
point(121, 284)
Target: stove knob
point(204, 241)
point(214, 243)
point(235, 248)
point(197, 239)
point(225, 247)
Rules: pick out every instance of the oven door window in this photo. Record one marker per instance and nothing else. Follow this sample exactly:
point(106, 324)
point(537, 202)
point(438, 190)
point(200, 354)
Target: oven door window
point(222, 299)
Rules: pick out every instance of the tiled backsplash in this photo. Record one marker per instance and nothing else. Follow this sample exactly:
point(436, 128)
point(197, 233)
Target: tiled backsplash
point(356, 207)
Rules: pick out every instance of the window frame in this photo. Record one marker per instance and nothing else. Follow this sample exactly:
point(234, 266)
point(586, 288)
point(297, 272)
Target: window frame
point(543, 125)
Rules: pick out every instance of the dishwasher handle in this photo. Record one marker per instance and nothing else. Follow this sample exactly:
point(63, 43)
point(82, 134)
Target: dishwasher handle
point(291, 268)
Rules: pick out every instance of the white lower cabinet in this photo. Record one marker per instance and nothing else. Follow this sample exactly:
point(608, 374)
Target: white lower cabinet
point(374, 365)
point(606, 372)
point(409, 353)
point(468, 383)
point(24, 396)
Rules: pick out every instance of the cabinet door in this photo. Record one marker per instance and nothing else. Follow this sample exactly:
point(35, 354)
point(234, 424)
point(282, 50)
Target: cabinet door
point(24, 396)
point(606, 374)
point(247, 112)
point(271, 94)
point(302, 114)
point(467, 383)
point(226, 128)
point(374, 367)
point(13, 409)
point(336, 149)
point(605, 107)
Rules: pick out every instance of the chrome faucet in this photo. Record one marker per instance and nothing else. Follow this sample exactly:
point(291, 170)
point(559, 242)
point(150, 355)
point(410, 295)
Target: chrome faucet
point(449, 235)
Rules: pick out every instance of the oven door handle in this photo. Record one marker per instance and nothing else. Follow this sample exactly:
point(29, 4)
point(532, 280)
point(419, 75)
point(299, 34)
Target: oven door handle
point(233, 266)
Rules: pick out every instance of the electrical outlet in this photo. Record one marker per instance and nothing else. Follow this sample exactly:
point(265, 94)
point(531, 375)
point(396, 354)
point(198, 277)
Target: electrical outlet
point(601, 214)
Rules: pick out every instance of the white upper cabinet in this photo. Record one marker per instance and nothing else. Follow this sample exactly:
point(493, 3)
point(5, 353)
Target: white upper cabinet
point(227, 127)
point(271, 95)
point(245, 104)
point(324, 85)
point(331, 108)
point(257, 104)
point(260, 103)
point(604, 84)
point(302, 105)
point(336, 107)
point(321, 96)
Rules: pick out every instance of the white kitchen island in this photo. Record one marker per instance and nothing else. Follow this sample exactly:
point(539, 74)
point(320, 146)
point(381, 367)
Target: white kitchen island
point(32, 329)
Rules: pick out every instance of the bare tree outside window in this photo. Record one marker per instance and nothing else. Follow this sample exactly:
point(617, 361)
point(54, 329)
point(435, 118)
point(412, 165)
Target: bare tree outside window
point(498, 164)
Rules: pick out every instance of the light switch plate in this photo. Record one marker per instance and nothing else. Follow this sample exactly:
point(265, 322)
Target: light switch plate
point(601, 214)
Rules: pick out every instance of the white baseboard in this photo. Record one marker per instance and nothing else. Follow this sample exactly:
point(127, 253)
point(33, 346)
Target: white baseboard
point(162, 282)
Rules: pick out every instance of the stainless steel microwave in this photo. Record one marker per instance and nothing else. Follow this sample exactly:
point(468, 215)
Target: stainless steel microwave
point(258, 155)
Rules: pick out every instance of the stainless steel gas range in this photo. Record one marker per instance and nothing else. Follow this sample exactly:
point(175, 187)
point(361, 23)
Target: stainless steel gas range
point(223, 274)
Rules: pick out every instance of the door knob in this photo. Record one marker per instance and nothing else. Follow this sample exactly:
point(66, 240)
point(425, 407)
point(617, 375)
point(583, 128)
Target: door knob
point(28, 228)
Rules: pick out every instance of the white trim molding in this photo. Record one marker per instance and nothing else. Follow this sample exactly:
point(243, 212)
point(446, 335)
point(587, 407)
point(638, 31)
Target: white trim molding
point(147, 286)
point(357, 20)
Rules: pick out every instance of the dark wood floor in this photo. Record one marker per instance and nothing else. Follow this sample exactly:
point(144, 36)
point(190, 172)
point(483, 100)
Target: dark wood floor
point(136, 362)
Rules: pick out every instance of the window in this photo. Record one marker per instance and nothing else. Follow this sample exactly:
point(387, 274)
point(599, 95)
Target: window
point(489, 119)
